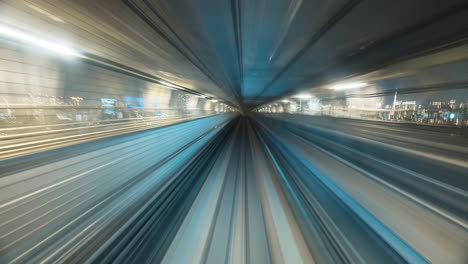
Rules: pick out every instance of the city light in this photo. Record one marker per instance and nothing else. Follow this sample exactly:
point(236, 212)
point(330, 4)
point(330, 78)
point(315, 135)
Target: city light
point(47, 45)
point(347, 86)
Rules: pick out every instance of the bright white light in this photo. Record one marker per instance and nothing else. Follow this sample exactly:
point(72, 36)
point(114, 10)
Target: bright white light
point(54, 47)
point(346, 86)
point(302, 96)
point(214, 100)
point(167, 84)
point(284, 101)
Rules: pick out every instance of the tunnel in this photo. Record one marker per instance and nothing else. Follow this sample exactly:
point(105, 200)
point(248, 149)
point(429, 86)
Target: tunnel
point(234, 131)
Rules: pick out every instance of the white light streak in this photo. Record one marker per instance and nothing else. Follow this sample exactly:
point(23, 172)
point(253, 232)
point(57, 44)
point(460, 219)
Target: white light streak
point(347, 86)
point(302, 96)
point(47, 45)
point(168, 84)
point(45, 13)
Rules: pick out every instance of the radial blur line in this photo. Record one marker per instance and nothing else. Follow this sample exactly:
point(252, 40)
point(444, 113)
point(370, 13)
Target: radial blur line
point(362, 237)
point(190, 243)
point(57, 214)
point(284, 234)
point(433, 230)
point(447, 191)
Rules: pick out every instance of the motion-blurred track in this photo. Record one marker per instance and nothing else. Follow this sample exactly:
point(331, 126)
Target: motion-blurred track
point(18, 141)
point(231, 189)
point(412, 178)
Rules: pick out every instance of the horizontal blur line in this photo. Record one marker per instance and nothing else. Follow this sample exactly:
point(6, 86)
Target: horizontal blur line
point(27, 106)
point(407, 90)
point(26, 145)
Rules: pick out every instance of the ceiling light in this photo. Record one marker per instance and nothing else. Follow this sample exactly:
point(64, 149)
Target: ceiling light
point(51, 46)
point(347, 86)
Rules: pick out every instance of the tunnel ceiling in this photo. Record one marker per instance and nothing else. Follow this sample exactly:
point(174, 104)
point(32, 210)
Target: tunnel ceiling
point(246, 51)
